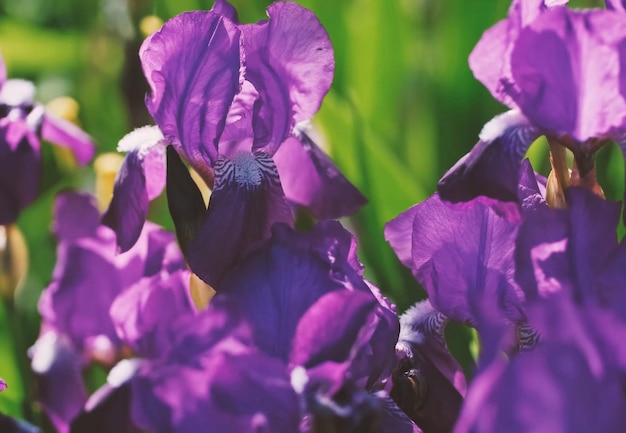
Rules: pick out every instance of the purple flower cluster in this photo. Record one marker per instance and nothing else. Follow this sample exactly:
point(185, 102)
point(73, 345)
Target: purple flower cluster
point(294, 339)
point(540, 278)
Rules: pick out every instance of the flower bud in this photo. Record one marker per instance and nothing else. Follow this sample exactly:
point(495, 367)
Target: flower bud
point(13, 260)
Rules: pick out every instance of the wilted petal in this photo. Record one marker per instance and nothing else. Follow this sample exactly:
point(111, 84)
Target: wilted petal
point(289, 59)
point(192, 65)
point(128, 209)
point(66, 134)
point(60, 388)
point(565, 68)
point(311, 179)
point(492, 167)
point(246, 202)
point(20, 172)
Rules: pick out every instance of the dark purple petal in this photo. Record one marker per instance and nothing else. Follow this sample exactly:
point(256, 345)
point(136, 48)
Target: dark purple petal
point(128, 209)
point(311, 179)
point(66, 134)
point(531, 189)
point(611, 281)
point(428, 383)
point(60, 388)
point(76, 215)
point(492, 167)
point(289, 59)
point(565, 67)
point(20, 172)
point(463, 255)
point(278, 283)
point(192, 65)
point(107, 411)
point(246, 202)
point(566, 249)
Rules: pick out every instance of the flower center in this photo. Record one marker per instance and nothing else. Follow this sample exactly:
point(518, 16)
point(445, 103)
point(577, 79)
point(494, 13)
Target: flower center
point(248, 172)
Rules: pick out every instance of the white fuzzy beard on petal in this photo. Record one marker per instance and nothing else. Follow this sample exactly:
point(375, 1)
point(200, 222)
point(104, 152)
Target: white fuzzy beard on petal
point(17, 92)
point(497, 126)
point(141, 140)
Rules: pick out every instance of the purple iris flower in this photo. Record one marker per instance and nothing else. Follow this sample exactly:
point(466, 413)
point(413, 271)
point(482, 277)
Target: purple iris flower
point(562, 72)
point(568, 264)
point(296, 340)
point(3, 384)
point(23, 122)
point(233, 99)
point(88, 277)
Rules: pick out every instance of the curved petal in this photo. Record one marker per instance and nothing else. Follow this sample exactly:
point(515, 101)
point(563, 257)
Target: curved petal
point(311, 179)
point(482, 256)
point(566, 72)
point(246, 202)
point(192, 65)
point(290, 61)
point(66, 134)
point(617, 5)
point(128, 209)
point(492, 167)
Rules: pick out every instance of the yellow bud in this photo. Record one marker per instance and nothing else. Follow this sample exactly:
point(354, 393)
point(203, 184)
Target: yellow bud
point(555, 196)
point(13, 260)
point(201, 292)
point(202, 186)
point(106, 167)
point(150, 24)
point(64, 107)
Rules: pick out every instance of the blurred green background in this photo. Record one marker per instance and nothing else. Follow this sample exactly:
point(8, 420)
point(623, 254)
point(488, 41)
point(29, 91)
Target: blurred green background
point(403, 107)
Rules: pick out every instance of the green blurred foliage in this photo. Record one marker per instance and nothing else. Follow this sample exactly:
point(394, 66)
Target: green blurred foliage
point(403, 107)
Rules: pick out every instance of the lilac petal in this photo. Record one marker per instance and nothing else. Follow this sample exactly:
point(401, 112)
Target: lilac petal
point(490, 60)
point(3, 72)
point(610, 282)
point(482, 257)
point(76, 215)
point(107, 411)
point(66, 134)
point(492, 167)
point(399, 234)
point(3, 384)
point(231, 393)
point(328, 330)
point(128, 209)
point(428, 384)
point(60, 387)
point(565, 69)
point(289, 59)
point(565, 249)
point(192, 65)
point(311, 179)
point(152, 303)
point(278, 283)
point(20, 172)
point(246, 202)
